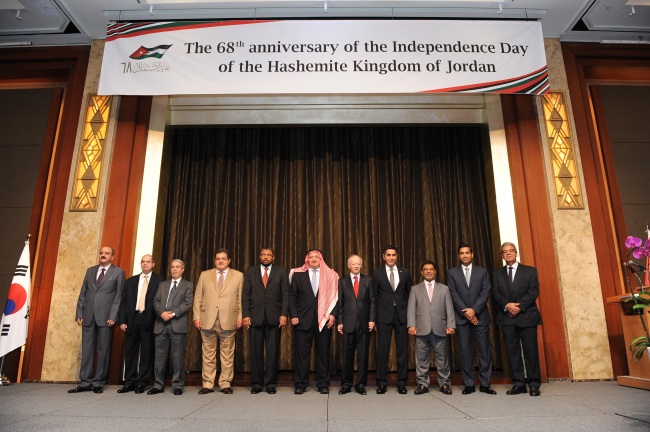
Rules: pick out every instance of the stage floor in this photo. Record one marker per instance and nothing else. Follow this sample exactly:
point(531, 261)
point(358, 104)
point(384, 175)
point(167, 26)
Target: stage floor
point(586, 406)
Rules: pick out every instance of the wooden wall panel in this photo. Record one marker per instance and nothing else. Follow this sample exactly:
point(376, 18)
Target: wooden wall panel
point(123, 195)
point(588, 64)
point(534, 225)
point(63, 68)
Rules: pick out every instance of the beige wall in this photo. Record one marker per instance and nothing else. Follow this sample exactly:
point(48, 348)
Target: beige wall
point(78, 249)
point(584, 315)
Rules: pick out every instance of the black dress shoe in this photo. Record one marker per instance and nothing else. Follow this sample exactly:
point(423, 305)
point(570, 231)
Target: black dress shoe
point(80, 389)
point(345, 390)
point(422, 389)
point(155, 391)
point(226, 390)
point(469, 390)
point(381, 389)
point(126, 389)
point(361, 389)
point(139, 389)
point(178, 391)
point(298, 390)
point(401, 389)
point(445, 389)
point(534, 391)
point(256, 389)
point(487, 390)
point(205, 390)
point(324, 390)
point(271, 390)
point(516, 390)
point(98, 390)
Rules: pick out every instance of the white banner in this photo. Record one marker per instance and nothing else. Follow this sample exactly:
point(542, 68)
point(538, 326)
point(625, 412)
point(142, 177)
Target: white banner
point(284, 57)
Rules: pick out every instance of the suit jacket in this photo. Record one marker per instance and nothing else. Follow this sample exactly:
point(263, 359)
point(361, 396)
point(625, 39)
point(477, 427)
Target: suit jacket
point(101, 302)
point(435, 315)
point(210, 301)
point(130, 300)
point(271, 301)
point(524, 290)
point(303, 304)
point(181, 299)
point(386, 297)
point(474, 296)
point(353, 310)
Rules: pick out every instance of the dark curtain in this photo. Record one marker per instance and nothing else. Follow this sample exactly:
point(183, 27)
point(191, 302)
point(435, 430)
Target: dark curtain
point(343, 190)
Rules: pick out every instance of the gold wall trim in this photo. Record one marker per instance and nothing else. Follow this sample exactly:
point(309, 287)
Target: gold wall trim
point(561, 146)
point(91, 154)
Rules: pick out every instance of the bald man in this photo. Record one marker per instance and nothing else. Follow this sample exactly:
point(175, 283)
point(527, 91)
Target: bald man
point(136, 321)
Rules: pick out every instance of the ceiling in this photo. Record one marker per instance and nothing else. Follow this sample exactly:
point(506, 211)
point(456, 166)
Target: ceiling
point(78, 22)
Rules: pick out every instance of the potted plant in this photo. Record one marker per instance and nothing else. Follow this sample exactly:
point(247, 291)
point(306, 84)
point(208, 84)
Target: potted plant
point(642, 299)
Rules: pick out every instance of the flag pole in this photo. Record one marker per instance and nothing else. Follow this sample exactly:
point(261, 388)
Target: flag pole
point(4, 379)
point(20, 364)
point(22, 348)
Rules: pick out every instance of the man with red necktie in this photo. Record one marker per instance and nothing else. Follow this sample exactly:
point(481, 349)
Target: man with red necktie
point(356, 315)
point(265, 306)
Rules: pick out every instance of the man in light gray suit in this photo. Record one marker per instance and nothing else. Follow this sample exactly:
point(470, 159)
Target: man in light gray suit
point(430, 318)
point(97, 311)
point(171, 303)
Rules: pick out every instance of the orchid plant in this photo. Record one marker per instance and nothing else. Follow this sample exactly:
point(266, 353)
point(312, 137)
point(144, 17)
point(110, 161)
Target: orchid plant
point(642, 300)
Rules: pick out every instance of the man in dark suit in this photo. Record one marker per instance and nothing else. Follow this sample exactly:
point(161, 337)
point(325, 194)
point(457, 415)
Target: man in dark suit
point(313, 295)
point(356, 315)
point(172, 301)
point(265, 306)
point(392, 285)
point(97, 311)
point(516, 288)
point(136, 321)
point(431, 318)
point(469, 285)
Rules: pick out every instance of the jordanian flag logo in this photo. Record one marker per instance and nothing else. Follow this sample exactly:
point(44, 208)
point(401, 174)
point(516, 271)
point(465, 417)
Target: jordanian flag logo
point(144, 52)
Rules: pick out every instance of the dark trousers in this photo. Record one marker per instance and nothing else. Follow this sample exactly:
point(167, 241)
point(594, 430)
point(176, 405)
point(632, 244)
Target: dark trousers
point(259, 337)
point(100, 338)
point(358, 341)
point(483, 352)
point(303, 341)
point(138, 340)
point(384, 334)
point(164, 341)
point(518, 339)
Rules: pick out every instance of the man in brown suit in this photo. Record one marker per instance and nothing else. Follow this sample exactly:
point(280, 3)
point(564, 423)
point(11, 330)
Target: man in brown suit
point(217, 314)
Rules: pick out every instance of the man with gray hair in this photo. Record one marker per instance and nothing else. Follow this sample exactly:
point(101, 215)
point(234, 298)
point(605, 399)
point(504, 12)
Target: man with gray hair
point(515, 289)
point(171, 303)
point(356, 307)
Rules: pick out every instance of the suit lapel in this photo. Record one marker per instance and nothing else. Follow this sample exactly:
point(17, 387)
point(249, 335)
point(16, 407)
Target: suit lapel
point(436, 293)
point(258, 275)
point(461, 272)
point(213, 280)
point(384, 277)
point(307, 276)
